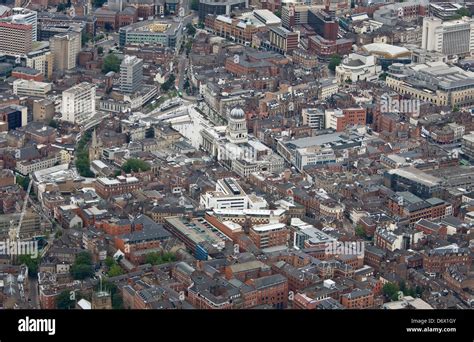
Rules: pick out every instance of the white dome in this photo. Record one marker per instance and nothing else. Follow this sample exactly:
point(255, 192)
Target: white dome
point(237, 113)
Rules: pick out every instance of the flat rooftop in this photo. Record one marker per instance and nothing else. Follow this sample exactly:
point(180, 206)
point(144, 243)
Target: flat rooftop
point(416, 175)
point(152, 27)
point(198, 230)
point(249, 212)
point(269, 227)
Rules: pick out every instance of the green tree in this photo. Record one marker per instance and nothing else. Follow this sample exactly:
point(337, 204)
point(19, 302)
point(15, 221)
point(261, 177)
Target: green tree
point(23, 182)
point(403, 287)
point(188, 46)
point(334, 62)
point(360, 232)
point(31, 263)
point(463, 12)
point(115, 270)
point(278, 13)
point(53, 123)
point(169, 83)
point(84, 258)
point(168, 257)
point(100, 50)
point(394, 297)
point(390, 290)
point(190, 29)
point(86, 37)
point(81, 272)
point(383, 76)
point(109, 261)
point(111, 63)
point(186, 84)
point(418, 291)
point(82, 156)
point(82, 267)
point(98, 3)
point(195, 5)
point(156, 258)
point(153, 258)
point(135, 165)
point(63, 301)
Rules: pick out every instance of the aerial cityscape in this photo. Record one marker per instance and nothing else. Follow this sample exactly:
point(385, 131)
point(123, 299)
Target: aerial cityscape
point(236, 154)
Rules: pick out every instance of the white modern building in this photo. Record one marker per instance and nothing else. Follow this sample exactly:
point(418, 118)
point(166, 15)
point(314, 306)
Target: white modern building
point(468, 145)
point(131, 74)
point(453, 37)
point(229, 195)
point(332, 116)
point(382, 50)
point(306, 235)
point(22, 15)
point(327, 88)
point(357, 67)
point(78, 103)
point(31, 88)
point(315, 155)
point(26, 167)
point(313, 117)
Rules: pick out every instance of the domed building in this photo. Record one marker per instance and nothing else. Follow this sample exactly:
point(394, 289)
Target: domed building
point(234, 148)
point(237, 126)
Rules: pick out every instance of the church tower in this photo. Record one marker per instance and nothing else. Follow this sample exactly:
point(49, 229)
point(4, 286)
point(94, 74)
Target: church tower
point(95, 147)
point(101, 300)
point(237, 126)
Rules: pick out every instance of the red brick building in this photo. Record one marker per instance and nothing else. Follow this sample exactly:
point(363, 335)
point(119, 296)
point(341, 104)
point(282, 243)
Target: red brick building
point(145, 11)
point(106, 18)
point(431, 228)
point(374, 257)
point(7, 177)
point(326, 48)
point(26, 73)
point(247, 270)
point(118, 226)
point(269, 235)
point(47, 299)
point(440, 259)
point(414, 209)
point(297, 279)
point(358, 299)
point(354, 116)
point(128, 16)
point(270, 290)
point(231, 229)
point(108, 187)
point(227, 27)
